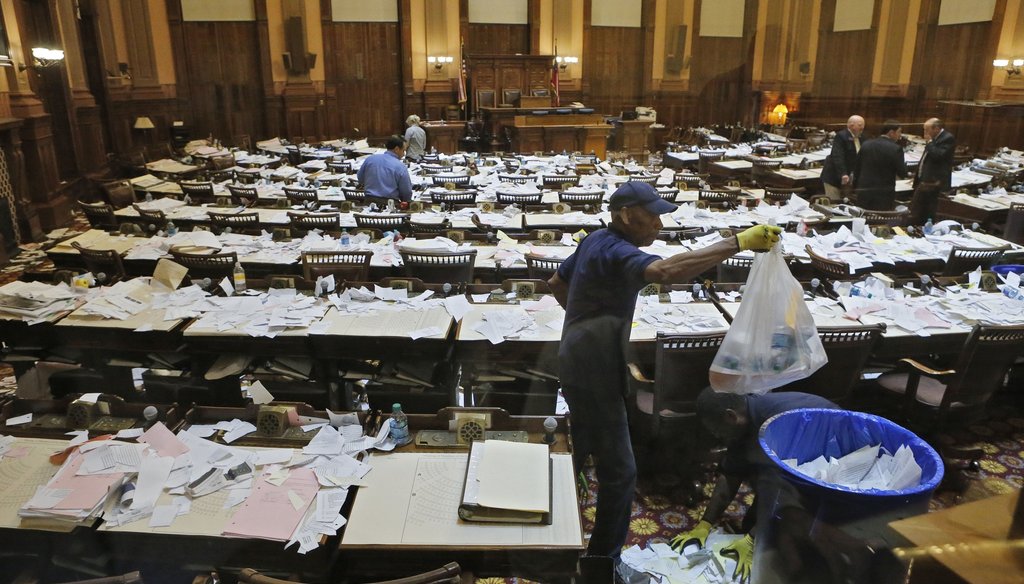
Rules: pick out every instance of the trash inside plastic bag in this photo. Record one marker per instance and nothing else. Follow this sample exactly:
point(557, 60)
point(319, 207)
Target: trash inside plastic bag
point(772, 340)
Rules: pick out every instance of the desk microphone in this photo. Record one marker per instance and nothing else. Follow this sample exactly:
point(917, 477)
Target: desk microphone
point(150, 414)
point(814, 286)
point(550, 425)
point(447, 289)
point(696, 291)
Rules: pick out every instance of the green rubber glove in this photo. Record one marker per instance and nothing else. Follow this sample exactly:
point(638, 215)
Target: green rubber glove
point(759, 237)
point(582, 486)
point(698, 535)
point(742, 550)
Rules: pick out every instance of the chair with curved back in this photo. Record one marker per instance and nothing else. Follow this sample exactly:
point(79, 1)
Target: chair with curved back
point(651, 179)
point(301, 195)
point(236, 222)
point(521, 199)
point(450, 573)
point(458, 180)
point(461, 198)
point(706, 158)
point(541, 267)
point(893, 218)
point(388, 222)
point(665, 407)
point(828, 268)
point(201, 191)
point(310, 221)
point(351, 266)
point(440, 267)
point(422, 230)
point(102, 261)
point(966, 259)
point(593, 200)
point(987, 355)
point(735, 269)
point(214, 266)
point(848, 350)
point(781, 196)
point(151, 219)
point(356, 196)
point(99, 215)
point(559, 181)
point(1013, 229)
point(689, 182)
point(119, 193)
point(718, 198)
point(518, 179)
point(762, 170)
point(244, 195)
point(336, 167)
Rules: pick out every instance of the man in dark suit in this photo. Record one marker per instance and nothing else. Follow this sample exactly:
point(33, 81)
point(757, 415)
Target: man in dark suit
point(934, 173)
point(878, 165)
point(837, 172)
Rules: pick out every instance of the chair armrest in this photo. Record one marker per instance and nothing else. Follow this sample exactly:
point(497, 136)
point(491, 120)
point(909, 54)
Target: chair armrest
point(926, 370)
point(637, 374)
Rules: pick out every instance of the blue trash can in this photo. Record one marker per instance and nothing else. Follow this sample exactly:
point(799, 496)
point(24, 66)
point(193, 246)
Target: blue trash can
point(827, 512)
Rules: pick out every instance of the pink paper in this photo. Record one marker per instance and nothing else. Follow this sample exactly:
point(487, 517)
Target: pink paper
point(163, 441)
point(268, 513)
point(16, 452)
point(929, 319)
point(86, 490)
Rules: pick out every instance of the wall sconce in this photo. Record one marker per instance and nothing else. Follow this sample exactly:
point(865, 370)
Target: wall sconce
point(564, 62)
point(439, 61)
point(1011, 68)
point(778, 115)
point(43, 58)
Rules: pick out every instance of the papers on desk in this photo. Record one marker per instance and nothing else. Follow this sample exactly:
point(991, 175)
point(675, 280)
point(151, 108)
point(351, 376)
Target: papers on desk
point(868, 468)
point(71, 496)
point(120, 301)
point(264, 315)
point(693, 566)
point(497, 326)
point(35, 302)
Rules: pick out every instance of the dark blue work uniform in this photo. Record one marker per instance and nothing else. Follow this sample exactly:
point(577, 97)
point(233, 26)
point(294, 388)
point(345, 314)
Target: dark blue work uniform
point(604, 276)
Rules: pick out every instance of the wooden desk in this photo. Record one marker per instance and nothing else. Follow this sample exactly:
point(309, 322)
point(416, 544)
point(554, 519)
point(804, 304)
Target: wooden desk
point(444, 136)
point(632, 136)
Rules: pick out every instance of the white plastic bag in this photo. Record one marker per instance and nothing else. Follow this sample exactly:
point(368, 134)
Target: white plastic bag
point(772, 340)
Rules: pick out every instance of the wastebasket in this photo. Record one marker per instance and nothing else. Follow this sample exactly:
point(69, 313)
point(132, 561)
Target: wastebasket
point(823, 520)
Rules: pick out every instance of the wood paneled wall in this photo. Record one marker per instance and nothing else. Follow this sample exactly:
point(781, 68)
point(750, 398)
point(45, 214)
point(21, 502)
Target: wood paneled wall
point(615, 58)
point(843, 64)
point(497, 39)
point(367, 72)
point(222, 66)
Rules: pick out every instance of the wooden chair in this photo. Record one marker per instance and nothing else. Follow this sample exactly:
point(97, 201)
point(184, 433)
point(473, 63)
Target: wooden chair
point(351, 266)
point(301, 195)
point(119, 193)
point(1013, 230)
point(151, 220)
point(651, 179)
point(521, 199)
point(669, 195)
point(893, 218)
point(781, 196)
point(540, 267)
point(718, 198)
point(762, 170)
point(966, 259)
point(558, 181)
point(244, 195)
point(689, 182)
point(465, 198)
point(429, 230)
point(311, 221)
point(450, 573)
point(706, 158)
point(593, 200)
point(980, 370)
point(214, 266)
point(848, 349)
point(459, 180)
point(102, 261)
point(829, 269)
point(390, 222)
point(99, 215)
point(197, 190)
point(734, 269)
point(440, 267)
point(242, 142)
point(517, 179)
point(665, 408)
point(356, 196)
point(236, 222)
point(432, 169)
point(339, 167)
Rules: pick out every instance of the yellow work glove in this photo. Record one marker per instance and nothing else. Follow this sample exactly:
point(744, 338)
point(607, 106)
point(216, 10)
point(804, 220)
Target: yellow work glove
point(698, 535)
point(742, 550)
point(759, 237)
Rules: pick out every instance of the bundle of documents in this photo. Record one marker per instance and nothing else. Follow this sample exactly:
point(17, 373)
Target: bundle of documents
point(693, 566)
point(36, 302)
point(508, 482)
point(865, 469)
point(78, 492)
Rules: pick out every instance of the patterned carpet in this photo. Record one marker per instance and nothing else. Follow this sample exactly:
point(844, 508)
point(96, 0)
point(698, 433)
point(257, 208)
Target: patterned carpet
point(660, 510)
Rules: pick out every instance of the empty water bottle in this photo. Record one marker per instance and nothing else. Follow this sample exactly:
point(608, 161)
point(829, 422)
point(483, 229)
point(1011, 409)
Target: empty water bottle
point(345, 239)
point(928, 227)
point(172, 229)
point(782, 348)
point(238, 277)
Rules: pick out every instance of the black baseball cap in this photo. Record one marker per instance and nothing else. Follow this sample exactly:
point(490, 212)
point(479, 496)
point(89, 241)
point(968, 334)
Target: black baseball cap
point(634, 193)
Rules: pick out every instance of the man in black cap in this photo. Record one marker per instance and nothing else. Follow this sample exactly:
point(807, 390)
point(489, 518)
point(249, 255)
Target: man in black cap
point(598, 286)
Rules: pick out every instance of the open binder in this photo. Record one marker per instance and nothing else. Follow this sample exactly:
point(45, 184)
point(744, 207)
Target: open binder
point(507, 482)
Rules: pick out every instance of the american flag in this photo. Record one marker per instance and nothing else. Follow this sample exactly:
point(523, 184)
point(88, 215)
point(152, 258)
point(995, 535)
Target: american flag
point(462, 76)
point(554, 77)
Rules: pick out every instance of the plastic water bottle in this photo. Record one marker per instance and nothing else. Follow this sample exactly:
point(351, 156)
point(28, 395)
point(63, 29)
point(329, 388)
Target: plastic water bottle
point(149, 197)
point(399, 426)
point(782, 344)
point(926, 284)
point(172, 229)
point(391, 205)
point(801, 228)
point(238, 276)
point(345, 239)
point(928, 227)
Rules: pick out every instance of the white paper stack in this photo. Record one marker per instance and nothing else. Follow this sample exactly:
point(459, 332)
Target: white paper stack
point(865, 469)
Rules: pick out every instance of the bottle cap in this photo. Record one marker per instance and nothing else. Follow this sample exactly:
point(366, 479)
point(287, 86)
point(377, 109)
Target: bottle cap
point(396, 407)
